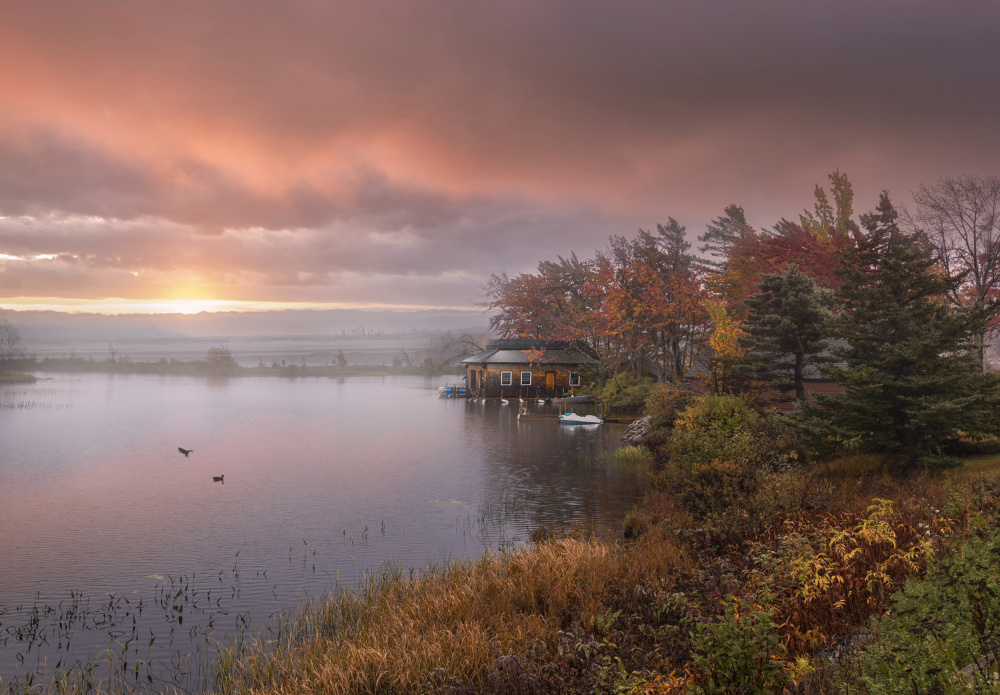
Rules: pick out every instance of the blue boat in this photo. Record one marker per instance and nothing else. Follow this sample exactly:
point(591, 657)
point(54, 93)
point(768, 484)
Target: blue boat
point(452, 390)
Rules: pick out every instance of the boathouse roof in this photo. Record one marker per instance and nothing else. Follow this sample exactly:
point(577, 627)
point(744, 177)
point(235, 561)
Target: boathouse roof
point(526, 351)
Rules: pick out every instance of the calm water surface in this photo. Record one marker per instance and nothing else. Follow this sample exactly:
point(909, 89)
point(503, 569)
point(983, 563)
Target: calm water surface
point(324, 479)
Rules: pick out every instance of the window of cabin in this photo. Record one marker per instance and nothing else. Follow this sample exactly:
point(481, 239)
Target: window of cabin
point(574, 378)
point(506, 378)
point(525, 378)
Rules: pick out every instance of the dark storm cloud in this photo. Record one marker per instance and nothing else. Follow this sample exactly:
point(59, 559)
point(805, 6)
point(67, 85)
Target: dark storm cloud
point(293, 144)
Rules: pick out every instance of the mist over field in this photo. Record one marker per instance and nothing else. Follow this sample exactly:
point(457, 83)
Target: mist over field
point(366, 337)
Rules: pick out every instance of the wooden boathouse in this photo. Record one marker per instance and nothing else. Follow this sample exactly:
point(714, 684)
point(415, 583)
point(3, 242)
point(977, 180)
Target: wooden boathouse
point(525, 368)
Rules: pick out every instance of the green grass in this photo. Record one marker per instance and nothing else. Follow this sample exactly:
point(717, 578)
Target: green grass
point(633, 457)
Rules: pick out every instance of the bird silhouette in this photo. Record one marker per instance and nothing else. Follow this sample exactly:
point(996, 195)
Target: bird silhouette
point(218, 479)
point(184, 451)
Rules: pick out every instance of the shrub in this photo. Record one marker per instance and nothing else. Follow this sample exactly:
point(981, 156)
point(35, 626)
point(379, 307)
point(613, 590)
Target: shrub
point(834, 573)
point(943, 631)
point(939, 462)
point(220, 361)
point(666, 402)
point(656, 510)
point(722, 450)
point(741, 652)
point(625, 393)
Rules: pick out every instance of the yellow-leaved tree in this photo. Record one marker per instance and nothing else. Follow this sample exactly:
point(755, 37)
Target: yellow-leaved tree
point(723, 376)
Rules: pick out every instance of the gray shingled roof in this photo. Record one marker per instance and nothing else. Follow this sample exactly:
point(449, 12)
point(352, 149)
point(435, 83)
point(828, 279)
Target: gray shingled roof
point(515, 351)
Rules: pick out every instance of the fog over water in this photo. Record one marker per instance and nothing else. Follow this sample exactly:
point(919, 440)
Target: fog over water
point(323, 479)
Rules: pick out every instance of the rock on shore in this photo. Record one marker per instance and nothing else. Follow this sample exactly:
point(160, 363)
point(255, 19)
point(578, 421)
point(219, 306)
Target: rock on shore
point(635, 433)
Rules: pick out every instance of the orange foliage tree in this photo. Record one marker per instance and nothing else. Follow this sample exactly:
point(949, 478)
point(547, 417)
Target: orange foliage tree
point(743, 255)
point(639, 303)
point(723, 376)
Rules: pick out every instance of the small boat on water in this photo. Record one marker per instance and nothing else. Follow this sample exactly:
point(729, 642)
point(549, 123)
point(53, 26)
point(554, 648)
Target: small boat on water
point(451, 391)
point(574, 419)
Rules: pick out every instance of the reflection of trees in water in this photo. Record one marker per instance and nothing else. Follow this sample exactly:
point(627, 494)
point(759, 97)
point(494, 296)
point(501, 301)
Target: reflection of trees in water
point(541, 473)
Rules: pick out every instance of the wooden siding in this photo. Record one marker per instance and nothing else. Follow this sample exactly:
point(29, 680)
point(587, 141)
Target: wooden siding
point(484, 381)
point(774, 398)
point(783, 401)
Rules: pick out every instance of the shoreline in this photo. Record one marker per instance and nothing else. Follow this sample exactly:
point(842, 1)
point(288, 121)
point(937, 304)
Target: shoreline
point(201, 368)
point(17, 378)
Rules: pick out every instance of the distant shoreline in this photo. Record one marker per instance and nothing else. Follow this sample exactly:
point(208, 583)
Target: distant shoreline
point(204, 368)
point(16, 378)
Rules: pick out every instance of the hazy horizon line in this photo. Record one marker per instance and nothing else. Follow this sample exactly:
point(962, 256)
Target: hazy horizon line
point(120, 306)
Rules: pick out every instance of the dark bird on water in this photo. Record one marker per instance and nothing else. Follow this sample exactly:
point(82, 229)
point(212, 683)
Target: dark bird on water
point(218, 479)
point(184, 451)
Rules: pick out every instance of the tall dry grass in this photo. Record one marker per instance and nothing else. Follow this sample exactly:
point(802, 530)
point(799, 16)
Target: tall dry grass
point(398, 630)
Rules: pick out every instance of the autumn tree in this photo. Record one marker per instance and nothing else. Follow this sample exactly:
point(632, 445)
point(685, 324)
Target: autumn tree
point(826, 222)
point(724, 374)
point(552, 304)
point(786, 328)
point(684, 324)
point(731, 245)
point(961, 217)
point(517, 305)
point(741, 255)
point(722, 234)
point(655, 301)
point(910, 365)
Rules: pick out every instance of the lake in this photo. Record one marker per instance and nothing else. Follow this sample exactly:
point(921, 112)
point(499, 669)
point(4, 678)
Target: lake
point(111, 540)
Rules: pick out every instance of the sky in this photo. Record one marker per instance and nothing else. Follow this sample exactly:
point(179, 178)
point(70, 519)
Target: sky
point(391, 154)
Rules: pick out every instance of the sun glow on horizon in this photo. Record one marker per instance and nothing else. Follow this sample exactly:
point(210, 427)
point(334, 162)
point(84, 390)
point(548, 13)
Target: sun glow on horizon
point(118, 305)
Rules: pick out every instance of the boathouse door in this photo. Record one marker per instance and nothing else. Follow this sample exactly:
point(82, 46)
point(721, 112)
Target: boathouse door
point(550, 382)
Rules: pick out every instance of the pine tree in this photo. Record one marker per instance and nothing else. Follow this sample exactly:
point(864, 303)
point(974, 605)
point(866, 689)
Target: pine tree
point(910, 370)
point(786, 329)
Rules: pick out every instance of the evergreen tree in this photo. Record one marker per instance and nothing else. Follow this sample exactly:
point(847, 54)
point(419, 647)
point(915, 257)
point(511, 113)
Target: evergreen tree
point(910, 370)
point(786, 329)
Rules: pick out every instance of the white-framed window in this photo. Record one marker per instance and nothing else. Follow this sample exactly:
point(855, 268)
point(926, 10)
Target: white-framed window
point(574, 378)
point(506, 378)
point(525, 378)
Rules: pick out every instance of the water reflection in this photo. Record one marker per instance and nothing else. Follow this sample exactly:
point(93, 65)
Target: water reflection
point(324, 479)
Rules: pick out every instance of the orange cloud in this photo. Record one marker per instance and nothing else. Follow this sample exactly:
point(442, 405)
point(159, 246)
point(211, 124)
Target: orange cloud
point(298, 150)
